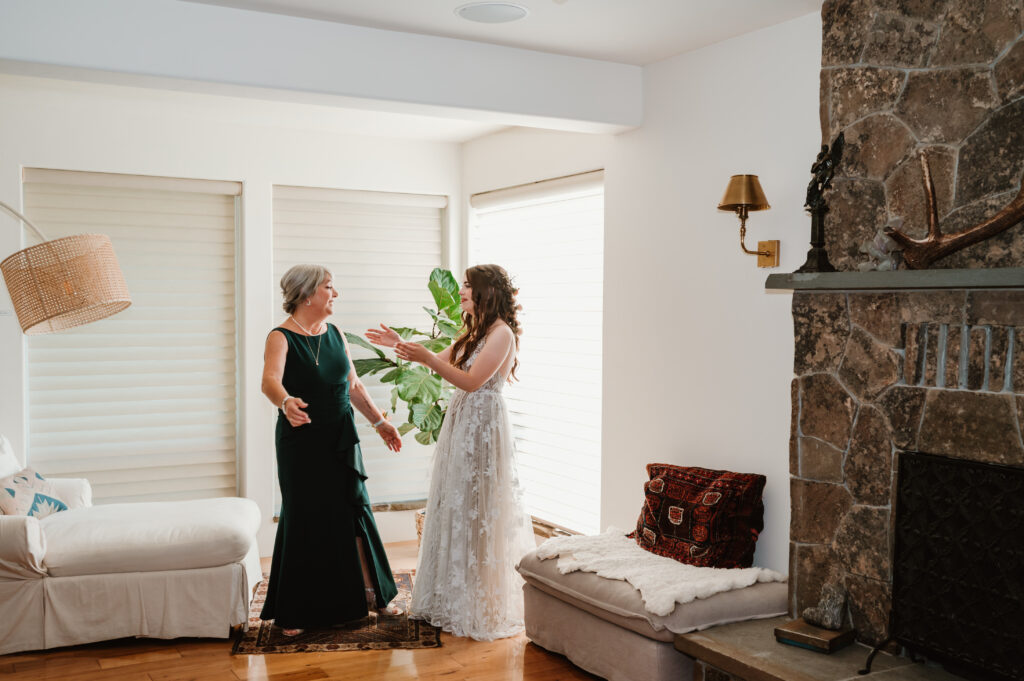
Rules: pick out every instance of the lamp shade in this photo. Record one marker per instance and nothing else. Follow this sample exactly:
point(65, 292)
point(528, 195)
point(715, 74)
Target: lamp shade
point(64, 283)
point(743, 190)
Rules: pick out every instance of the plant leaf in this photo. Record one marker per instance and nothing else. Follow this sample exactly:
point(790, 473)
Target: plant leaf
point(407, 332)
point(405, 428)
point(444, 299)
point(359, 340)
point(391, 376)
point(371, 366)
point(446, 280)
point(431, 418)
point(418, 385)
point(446, 285)
point(394, 399)
point(448, 329)
point(435, 344)
point(411, 383)
point(432, 388)
point(418, 412)
point(424, 438)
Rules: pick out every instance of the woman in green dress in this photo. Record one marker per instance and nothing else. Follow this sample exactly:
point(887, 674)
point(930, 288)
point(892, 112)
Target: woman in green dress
point(329, 564)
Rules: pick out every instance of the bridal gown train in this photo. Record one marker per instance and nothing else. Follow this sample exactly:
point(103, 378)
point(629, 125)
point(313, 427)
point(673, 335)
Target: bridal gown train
point(476, 528)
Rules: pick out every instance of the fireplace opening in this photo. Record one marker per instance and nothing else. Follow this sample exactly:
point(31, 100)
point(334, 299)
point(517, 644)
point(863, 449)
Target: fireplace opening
point(958, 570)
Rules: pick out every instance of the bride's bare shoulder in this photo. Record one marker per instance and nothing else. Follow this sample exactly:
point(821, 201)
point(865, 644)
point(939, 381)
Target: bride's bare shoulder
point(499, 329)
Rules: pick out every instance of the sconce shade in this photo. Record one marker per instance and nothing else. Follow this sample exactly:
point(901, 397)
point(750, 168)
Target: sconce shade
point(743, 190)
point(64, 283)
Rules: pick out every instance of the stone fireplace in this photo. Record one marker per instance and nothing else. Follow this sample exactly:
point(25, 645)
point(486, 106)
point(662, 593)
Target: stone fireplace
point(880, 373)
point(890, 362)
point(942, 78)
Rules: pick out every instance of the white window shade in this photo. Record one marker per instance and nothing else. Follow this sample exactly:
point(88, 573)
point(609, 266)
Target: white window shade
point(381, 248)
point(550, 237)
point(143, 403)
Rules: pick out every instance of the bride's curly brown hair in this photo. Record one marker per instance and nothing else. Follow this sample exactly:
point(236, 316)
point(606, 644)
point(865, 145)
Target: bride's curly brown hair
point(494, 298)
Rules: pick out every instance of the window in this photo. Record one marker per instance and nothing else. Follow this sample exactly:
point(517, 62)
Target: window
point(550, 237)
point(143, 403)
point(381, 248)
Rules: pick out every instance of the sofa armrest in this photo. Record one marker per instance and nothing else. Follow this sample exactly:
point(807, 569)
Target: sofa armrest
point(75, 492)
point(22, 547)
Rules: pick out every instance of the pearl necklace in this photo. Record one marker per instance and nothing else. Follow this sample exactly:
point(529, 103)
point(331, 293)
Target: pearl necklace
point(320, 339)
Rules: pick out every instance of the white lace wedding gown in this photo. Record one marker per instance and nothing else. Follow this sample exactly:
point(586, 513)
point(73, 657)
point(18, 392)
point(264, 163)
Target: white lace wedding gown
point(476, 528)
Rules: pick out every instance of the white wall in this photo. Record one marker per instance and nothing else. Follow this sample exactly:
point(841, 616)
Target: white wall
point(56, 124)
point(698, 357)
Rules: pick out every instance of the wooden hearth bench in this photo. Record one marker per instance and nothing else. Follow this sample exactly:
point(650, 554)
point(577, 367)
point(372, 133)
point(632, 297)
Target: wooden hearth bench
point(748, 651)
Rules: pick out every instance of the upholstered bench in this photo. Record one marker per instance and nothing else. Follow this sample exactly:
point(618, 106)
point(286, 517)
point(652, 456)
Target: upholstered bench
point(602, 626)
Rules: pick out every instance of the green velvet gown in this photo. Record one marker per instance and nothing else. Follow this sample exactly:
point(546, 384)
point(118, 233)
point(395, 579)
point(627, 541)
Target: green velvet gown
point(315, 576)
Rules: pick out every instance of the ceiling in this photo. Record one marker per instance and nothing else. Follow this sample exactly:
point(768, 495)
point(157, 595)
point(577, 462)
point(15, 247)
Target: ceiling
point(636, 32)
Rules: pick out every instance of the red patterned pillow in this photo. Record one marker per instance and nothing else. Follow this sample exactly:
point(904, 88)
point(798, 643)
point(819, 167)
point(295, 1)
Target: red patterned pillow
point(700, 516)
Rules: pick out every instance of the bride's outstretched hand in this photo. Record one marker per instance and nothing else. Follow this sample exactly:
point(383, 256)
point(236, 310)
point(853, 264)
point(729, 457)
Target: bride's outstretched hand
point(388, 337)
point(413, 352)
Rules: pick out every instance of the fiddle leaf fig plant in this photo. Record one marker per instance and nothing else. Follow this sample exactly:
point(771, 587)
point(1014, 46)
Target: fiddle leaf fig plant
point(424, 393)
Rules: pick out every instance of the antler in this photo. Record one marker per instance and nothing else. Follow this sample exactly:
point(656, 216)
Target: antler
point(920, 253)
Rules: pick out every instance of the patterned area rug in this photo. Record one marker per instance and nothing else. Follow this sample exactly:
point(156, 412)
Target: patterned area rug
point(374, 632)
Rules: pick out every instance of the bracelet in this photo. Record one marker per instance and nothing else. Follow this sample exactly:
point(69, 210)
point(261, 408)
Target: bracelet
point(284, 401)
point(382, 420)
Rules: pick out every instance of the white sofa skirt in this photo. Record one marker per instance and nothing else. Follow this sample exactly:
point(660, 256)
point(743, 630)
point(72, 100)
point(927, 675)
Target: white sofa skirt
point(21, 615)
point(199, 602)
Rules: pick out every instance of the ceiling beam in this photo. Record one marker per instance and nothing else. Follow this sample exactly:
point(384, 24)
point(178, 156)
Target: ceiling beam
point(205, 48)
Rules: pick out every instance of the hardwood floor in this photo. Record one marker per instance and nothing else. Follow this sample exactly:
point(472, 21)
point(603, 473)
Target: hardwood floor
point(458, 659)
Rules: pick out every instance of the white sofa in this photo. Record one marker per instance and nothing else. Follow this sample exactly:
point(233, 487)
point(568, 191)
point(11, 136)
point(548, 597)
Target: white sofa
point(93, 573)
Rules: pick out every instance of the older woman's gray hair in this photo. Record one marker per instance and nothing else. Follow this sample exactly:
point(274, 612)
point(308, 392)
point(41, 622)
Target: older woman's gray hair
point(300, 282)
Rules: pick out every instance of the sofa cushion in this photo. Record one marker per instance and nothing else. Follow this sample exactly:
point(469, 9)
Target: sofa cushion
point(700, 516)
point(618, 602)
point(75, 492)
point(150, 536)
point(28, 493)
point(9, 464)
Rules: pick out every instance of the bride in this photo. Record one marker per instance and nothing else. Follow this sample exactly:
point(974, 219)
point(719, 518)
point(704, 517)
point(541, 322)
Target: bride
point(476, 527)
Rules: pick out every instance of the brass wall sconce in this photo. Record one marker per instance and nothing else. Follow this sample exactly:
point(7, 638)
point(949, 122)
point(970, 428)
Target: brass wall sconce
point(743, 195)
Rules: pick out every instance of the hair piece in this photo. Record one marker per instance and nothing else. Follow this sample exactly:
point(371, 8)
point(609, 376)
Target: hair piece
point(300, 282)
point(494, 298)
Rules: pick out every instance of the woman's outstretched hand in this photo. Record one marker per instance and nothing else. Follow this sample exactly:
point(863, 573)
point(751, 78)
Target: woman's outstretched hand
point(387, 338)
point(392, 438)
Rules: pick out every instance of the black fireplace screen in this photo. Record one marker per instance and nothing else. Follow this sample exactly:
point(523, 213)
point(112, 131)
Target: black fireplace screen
point(958, 572)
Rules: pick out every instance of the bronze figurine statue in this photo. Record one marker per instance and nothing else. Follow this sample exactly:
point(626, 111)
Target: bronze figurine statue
point(822, 171)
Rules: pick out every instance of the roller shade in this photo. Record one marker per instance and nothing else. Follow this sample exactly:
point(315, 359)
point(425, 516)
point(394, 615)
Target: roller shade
point(143, 404)
point(381, 248)
point(550, 238)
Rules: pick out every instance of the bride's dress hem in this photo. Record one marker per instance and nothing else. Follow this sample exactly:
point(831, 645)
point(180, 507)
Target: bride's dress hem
point(452, 628)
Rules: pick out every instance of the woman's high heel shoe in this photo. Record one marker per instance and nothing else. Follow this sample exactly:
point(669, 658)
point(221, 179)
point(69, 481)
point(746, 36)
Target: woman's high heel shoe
point(371, 604)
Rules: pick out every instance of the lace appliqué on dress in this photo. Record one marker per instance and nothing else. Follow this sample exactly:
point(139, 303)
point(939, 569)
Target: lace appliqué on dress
point(476, 528)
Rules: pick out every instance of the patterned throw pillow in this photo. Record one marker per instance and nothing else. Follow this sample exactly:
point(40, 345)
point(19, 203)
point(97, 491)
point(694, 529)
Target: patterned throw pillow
point(28, 493)
point(701, 517)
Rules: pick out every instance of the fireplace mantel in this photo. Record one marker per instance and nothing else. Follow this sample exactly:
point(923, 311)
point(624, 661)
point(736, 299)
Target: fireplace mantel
point(996, 278)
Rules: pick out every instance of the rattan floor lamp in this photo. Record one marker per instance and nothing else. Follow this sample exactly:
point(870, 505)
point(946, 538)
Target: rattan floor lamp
point(63, 283)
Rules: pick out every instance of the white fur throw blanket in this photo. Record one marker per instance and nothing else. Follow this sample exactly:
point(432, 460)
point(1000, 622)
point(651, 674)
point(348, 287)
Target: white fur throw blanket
point(662, 582)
